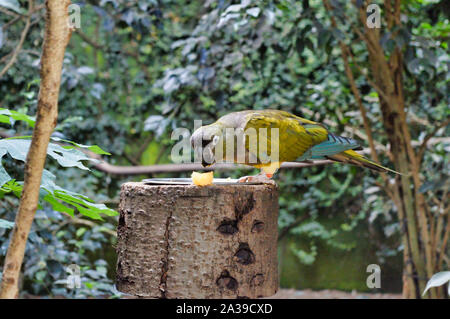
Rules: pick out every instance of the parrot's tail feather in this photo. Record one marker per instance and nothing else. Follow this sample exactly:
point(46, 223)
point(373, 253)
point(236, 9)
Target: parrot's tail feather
point(351, 157)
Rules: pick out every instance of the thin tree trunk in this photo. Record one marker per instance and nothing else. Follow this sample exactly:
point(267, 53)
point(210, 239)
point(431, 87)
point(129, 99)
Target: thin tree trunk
point(386, 78)
point(57, 35)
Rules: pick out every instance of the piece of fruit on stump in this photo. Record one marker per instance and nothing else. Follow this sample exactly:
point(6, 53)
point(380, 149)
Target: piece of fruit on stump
point(202, 179)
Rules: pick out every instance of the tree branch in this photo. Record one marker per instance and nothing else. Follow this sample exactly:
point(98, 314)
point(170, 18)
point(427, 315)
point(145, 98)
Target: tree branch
point(21, 41)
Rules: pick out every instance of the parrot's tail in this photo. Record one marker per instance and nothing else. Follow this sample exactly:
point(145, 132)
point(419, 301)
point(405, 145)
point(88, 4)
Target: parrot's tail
point(351, 157)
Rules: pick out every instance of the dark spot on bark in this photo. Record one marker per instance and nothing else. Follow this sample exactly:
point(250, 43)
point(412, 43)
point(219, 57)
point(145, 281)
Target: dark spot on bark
point(46, 106)
point(244, 254)
point(226, 281)
point(121, 220)
point(242, 297)
point(228, 227)
point(258, 226)
point(244, 205)
point(11, 266)
point(257, 280)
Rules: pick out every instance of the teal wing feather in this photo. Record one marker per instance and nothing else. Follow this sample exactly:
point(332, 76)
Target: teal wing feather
point(333, 145)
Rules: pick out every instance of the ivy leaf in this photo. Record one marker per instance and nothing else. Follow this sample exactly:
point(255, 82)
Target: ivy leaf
point(6, 224)
point(10, 4)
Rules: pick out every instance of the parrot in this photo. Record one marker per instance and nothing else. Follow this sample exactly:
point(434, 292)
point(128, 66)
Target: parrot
point(299, 140)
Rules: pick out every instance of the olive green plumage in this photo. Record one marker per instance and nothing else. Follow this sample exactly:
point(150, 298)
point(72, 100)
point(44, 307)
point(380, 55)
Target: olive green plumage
point(299, 139)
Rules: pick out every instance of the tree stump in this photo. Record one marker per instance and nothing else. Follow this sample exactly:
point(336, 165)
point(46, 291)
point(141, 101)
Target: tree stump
point(184, 241)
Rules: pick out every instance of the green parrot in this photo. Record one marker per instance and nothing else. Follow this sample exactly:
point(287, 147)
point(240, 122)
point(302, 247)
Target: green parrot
point(298, 140)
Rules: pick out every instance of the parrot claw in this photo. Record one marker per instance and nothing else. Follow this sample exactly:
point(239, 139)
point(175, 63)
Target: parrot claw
point(261, 178)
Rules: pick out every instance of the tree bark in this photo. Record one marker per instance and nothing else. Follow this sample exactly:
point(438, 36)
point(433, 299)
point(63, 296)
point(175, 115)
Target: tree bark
point(57, 35)
point(387, 76)
point(183, 241)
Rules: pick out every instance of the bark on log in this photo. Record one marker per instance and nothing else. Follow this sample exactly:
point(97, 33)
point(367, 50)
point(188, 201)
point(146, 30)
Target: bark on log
point(183, 241)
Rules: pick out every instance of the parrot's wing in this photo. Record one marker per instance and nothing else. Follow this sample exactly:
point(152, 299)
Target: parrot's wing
point(295, 137)
point(332, 145)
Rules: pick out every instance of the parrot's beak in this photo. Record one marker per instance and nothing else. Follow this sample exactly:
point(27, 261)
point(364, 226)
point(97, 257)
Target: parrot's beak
point(204, 144)
point(205, 164)
point(208, 157)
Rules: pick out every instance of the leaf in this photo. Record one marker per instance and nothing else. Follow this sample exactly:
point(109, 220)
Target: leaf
point(6, 224)
point(84, 70)
point(85, 205)
point(93, 148)
point(415, 66)
point(254, 12)
point(437, 280)
point(97, 90)
point(55, 269)
point(80, 231)
point(60, 199)
point(152, 122)
point(11, 186)
point(157, 124)
point(9, 116)
point(4, 176)
point(57, 206)
point(10, 4)
point(66, 157)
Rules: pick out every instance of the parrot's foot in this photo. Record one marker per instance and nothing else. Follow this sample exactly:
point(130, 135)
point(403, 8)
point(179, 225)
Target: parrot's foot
point(260, 178)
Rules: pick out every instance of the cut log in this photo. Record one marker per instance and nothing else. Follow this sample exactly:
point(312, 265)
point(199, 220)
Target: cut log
point(184, 241)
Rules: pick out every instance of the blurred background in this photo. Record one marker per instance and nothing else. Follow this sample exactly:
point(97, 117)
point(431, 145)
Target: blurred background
point(136, 70)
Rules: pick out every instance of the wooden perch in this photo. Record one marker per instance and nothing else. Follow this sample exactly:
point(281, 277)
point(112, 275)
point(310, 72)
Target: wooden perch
point(184, 241)
point(188, 167)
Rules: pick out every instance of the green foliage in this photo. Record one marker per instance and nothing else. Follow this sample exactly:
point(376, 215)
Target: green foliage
point(67, 156)
point(55, 242)
point(6, 224)
point(11, 4)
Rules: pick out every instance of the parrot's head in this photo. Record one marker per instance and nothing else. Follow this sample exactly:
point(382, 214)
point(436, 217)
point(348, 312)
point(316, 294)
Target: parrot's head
point(204, 141)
